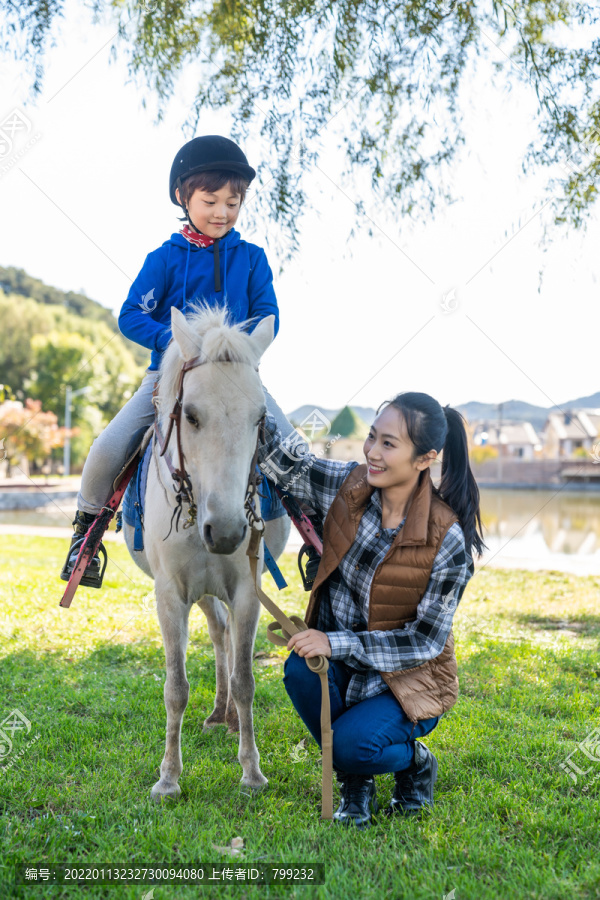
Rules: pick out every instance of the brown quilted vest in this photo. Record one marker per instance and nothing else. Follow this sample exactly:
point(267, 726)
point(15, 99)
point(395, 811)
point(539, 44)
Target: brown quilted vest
point(398, 584)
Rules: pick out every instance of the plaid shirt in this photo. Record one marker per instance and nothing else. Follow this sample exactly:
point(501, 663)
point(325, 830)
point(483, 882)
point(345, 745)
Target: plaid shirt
point(344, 607)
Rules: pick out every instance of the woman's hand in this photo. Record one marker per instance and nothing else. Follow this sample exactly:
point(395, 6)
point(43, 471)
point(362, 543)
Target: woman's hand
point(310, 643)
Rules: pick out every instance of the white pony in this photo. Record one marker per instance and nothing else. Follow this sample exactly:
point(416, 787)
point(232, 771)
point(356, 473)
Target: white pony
point(223, 402)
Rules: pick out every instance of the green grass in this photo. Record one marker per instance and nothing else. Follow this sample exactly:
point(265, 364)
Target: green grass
point(507, 823)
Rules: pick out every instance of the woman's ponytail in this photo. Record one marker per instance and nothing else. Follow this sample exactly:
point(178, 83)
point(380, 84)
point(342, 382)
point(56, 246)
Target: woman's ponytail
point(431, 427)
point(458, 487)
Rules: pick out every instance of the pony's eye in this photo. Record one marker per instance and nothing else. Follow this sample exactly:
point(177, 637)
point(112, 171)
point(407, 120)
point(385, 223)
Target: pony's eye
point(193, 421)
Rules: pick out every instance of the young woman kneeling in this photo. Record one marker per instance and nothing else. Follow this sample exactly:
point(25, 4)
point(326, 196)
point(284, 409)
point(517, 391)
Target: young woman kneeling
point(397, 555)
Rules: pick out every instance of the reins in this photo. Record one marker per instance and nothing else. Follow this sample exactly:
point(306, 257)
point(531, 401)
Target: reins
point(287, 626)
point(181, 480)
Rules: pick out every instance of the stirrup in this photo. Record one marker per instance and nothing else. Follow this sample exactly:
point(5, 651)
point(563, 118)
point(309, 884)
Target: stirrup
point(93, 575)
point(309, 572)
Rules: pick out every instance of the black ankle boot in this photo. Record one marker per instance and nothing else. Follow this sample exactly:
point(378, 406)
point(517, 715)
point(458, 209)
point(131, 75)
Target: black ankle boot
point(358, 798)
point(94, 572)
point(414, 786)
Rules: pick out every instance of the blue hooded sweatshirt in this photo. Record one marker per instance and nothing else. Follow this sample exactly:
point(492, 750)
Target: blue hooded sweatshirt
point(179, 274)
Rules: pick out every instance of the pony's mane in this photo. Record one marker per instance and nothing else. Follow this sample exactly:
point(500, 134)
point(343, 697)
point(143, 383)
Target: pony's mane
point(219, 340)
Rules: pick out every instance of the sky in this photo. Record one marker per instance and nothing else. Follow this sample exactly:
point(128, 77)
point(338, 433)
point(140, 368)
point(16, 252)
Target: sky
point(448, 305)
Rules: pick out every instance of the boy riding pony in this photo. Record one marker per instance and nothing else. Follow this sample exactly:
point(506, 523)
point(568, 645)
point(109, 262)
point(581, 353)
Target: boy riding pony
point(207, 261)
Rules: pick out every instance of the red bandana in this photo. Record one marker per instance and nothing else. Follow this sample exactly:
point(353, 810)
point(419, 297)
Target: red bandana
point(199, 240)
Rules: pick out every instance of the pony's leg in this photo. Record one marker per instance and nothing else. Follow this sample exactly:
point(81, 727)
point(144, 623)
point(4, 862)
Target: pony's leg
point(244, 615)
point(173, 614)
point(217, 619)
point(231, 713)
point(224, 712)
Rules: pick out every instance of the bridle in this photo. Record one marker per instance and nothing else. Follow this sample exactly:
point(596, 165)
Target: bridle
point(284, 624)
point(182, 483)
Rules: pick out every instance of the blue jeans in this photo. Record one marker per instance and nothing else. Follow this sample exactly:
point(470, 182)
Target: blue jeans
point(371, 737)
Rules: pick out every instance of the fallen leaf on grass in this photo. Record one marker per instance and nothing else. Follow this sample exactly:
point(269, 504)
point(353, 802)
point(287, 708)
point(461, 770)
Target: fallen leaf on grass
point(268, 660)
point(234, 848)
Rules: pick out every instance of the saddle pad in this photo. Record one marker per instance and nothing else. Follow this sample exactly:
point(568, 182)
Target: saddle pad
point(271, 506)
point(133, 501)
point(135, 496)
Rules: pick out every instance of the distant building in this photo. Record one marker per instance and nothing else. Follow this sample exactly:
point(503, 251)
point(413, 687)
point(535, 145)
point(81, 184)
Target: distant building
point(513, 440)
point(566, 432)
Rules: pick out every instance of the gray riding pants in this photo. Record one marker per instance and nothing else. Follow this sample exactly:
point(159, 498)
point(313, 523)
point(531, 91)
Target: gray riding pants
point(107, 454)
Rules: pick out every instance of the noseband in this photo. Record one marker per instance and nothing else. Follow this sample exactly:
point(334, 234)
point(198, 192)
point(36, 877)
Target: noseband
point(182, 484)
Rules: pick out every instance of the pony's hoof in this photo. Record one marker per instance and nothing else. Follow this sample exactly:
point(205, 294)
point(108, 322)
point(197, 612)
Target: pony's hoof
point(162, 791)
point(217, 717)
point(210, 726)
point(233, 722)
point(257, 782)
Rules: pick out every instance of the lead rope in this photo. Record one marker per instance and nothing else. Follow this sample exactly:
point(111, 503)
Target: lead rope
point(317, 664)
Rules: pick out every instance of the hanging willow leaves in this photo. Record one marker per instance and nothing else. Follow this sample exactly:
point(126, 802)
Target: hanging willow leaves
point(379, 79)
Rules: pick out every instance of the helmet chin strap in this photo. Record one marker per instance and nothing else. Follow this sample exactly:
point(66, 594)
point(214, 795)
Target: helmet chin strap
point(197, 230)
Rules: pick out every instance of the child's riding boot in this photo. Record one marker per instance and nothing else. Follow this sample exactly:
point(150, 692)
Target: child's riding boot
point(414, 786)
point(358, 797)
point(94, 572)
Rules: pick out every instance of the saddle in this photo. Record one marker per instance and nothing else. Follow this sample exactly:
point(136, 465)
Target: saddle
point(134, 500)
point(137, 446)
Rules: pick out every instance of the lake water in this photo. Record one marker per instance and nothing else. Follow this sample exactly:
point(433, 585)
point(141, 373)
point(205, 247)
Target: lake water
point(55, 515)
point(523, 528)
point(543, 529)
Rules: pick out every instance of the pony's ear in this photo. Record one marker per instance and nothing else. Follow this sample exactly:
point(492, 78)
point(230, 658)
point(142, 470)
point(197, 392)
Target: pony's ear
point(263, 335)
point(188, 343)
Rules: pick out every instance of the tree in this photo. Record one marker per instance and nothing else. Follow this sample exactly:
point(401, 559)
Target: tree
point(26, 431)
point(44, 348)
point(348, 425)
point(60, 359)
point(21, 320)
point(18, 283)
point(482, 454)
point(389, 70)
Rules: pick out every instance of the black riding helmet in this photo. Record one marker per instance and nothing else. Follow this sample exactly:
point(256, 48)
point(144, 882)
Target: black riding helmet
point(211, 151)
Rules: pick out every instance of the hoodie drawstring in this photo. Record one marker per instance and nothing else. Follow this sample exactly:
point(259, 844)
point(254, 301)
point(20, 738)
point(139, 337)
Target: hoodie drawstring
point(217, 266)
point(187, 262)
point(217, 271)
